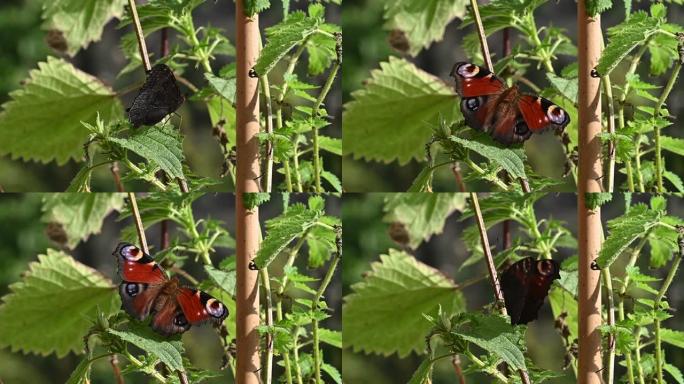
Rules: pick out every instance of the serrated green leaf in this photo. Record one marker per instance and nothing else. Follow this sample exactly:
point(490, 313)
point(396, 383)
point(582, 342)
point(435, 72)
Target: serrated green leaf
point(224, 279)
point(510, 160)
point(672, 144)
point(383, 314)
point(164, 350)
point(597, 199)
point(423, 22)
point(564, 302)
point(423, 374)
point(81, 182)
point(673, 337)
point(422, 214)
point(330, 144)
point(390, 118)
point(495, 335)
point(625, 37)
point(675, 180)
point(281, 38)
point(80, 21)
point(674, 372)
point(252, 200)
point(596, 7)
point(80, 214)
point(224, 87)
point(161, 146)
point(42, 122)
point(333, 180)
point(62, 290)
point(80, 374)
point(281, 230)
point(331, 337)
point(332, 372)
point(624, 230)
point(253, 7)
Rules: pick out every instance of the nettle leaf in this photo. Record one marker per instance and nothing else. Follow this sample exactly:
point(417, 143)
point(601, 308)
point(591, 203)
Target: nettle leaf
point(673, 337)
point(383, 314)
point(42, 122)
point(672, 144)
point(330, 144)
point(80, 21)
point(321, 49)
point(495, 335)
point(624, 230)
point(596, 7)
point(63, 291)
point(167, 352)
point(158, 145)
point(596, 199)
point(509, 159)
point(663, 242)
point(422, 214)
point(674, 372)
point(253, 7)
point(422, 22)
point(566, 87)
point(281, 230)
point(224, 87)
point(224, 279)
point(563, 301)
point(624, 37)
point(81, 373)
point(251, 200)
point(321, 242)
point(79, 215)
point(330, 337)
point(390, 118)
point(281, 38)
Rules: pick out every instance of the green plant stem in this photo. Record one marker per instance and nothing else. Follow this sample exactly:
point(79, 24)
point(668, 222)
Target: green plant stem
point(481, 364)
point(656, 130)
point(140, 172)
point(266, 283)
point(288, 177)
point(656, 306)
point(295, 161)
point(637, 354)
point(314, 307)
point(610, 304)
point(286, 354)
point(139, 364)
point(637, 160)
point(295, 351)
point(324, 92)
point(481, 171)
point(546, 57)
point(608, 90)
point(266, 90)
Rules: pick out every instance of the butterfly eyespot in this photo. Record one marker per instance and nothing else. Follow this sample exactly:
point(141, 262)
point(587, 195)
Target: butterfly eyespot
point(471, 104)
point(215, 308)
point(468, 70)
point(133, 289)
point(521, 128)
point(556, 114)
point(131, 252)
point(180, 320)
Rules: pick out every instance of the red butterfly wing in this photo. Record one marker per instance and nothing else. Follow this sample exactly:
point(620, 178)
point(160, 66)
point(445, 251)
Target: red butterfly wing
point(135, 266)
point(525, 285)
point(137, 299)
point(199, 307)
point(473, 81)
point(541, 114)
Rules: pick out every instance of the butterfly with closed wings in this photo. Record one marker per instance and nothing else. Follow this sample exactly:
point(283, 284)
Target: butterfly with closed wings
point(525, 285)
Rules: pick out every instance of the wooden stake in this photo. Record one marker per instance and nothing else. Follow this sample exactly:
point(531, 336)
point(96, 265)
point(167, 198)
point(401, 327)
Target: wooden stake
point(247, 108)
point(589, 181)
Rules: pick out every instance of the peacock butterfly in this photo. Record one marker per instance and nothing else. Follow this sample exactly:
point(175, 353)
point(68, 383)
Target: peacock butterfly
point(506, 114)
point(525, 285)
point(145, 290)
point(158, 97)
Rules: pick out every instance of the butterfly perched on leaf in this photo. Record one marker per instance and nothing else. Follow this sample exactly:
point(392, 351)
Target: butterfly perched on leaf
point(525, 285)
point(147, 291)
point(506, 114)
point(158, 97)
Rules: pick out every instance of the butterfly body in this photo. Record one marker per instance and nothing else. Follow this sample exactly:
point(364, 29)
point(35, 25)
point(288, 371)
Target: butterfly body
point(158, 97)
point(146, 291)
point(507, 114)
point(525, 285)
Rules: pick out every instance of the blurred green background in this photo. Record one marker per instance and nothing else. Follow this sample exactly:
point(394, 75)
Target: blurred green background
point(366, 45)
point(23, 237)
point(22, 44)
point(366, 237)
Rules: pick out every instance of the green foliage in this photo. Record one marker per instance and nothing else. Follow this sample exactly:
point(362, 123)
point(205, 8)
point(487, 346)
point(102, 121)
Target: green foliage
point(67, 17)
point(393, 297)
point(62, 290)
point(595, 200)
point(224, 279)
point(160, 146)
point(596, 7)
point(281, 230)
point(422, 22)
point(167, 352)
point(252, 200)
point(398, 98)
point(253, 7)
point(283, 37)
point(79, 215)
point(510, 160)
point(422, 374)
point(421, 214)
point(626, 229)
point(624, 38)
point(56, 88)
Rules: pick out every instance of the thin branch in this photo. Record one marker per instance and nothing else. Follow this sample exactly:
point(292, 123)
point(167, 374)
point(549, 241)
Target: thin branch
point(117, 178)
point(138, 222)
point(456, 363)
point(456, 170)
point(142, 47)
point(498, 293)
point(114, 361)
point(266, 282)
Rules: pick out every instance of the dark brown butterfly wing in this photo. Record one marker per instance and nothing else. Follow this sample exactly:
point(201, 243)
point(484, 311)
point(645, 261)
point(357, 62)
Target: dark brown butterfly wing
point(158, 97)
point(525, 285)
